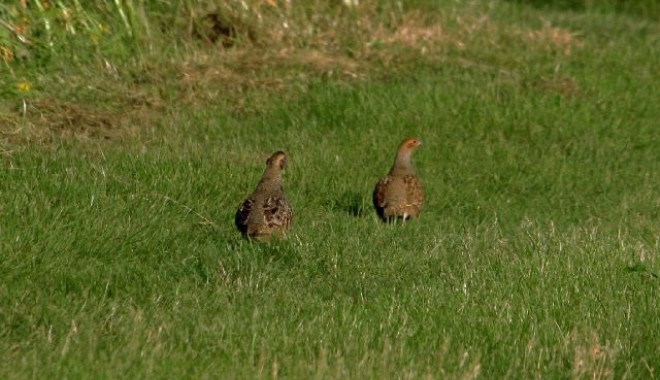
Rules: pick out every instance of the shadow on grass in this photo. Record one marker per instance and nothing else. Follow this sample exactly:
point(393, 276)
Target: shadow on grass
point(352, 203)
point(640, 268)
point(645, 9)
point(273, 251)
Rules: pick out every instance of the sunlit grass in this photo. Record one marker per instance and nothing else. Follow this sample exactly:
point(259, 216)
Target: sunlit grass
point(536, 254)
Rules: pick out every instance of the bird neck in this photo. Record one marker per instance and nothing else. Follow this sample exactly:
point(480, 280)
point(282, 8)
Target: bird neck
point(402, 163)
point(271, 180)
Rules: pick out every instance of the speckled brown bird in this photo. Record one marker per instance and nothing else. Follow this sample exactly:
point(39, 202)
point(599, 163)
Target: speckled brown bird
point(266, 212)
point(400, 193)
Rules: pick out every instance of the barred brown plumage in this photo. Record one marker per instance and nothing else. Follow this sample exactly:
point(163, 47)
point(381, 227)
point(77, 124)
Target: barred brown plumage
point(266, 212)
point(400, 194)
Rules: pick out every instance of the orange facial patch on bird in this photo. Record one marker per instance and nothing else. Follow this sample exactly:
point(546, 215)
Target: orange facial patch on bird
point(413, 143)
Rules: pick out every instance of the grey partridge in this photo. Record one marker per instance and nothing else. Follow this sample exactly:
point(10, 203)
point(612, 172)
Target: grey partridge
point(266, 212)
point(400, 193)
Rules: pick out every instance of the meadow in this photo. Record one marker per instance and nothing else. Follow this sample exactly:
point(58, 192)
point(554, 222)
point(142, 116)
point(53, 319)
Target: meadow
point(130, 131)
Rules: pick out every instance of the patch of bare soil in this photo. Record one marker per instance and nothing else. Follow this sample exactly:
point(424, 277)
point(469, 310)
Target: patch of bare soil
point(561, 85)
point(229, 56)
point(43, 120)
point(552, 38)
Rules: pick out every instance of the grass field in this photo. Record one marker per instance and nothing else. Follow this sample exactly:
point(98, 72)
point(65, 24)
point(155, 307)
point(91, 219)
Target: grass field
point(124, 156)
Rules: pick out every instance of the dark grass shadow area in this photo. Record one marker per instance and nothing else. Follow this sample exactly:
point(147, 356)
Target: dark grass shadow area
point(354, 204)
point(649, 9)
point(642, 269)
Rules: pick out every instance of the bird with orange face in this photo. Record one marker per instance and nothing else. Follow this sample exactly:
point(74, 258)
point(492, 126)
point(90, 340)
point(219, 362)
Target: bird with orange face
point(266, 212)
point(399, 195)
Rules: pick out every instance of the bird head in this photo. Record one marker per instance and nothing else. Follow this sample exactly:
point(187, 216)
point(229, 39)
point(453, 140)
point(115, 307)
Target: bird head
point(277, 160)
point(409, 144)
point(402, 160)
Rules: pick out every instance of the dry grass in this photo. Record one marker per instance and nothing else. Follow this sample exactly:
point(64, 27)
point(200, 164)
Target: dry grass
point(562, 85)
point(592, 359)
point(272, 46)
point(552, 38)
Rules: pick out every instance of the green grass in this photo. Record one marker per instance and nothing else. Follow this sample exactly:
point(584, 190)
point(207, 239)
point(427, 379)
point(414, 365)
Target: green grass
point(536, 254)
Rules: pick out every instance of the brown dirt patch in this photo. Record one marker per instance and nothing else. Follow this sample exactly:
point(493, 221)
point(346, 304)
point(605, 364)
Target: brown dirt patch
point(553, 38)
point(562, 85)
point(292, 47)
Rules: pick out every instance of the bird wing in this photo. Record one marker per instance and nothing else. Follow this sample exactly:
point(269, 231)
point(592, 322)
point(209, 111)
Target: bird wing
point(414, 190)
point(277, 212)
point(243, 214)
point(379, 195)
